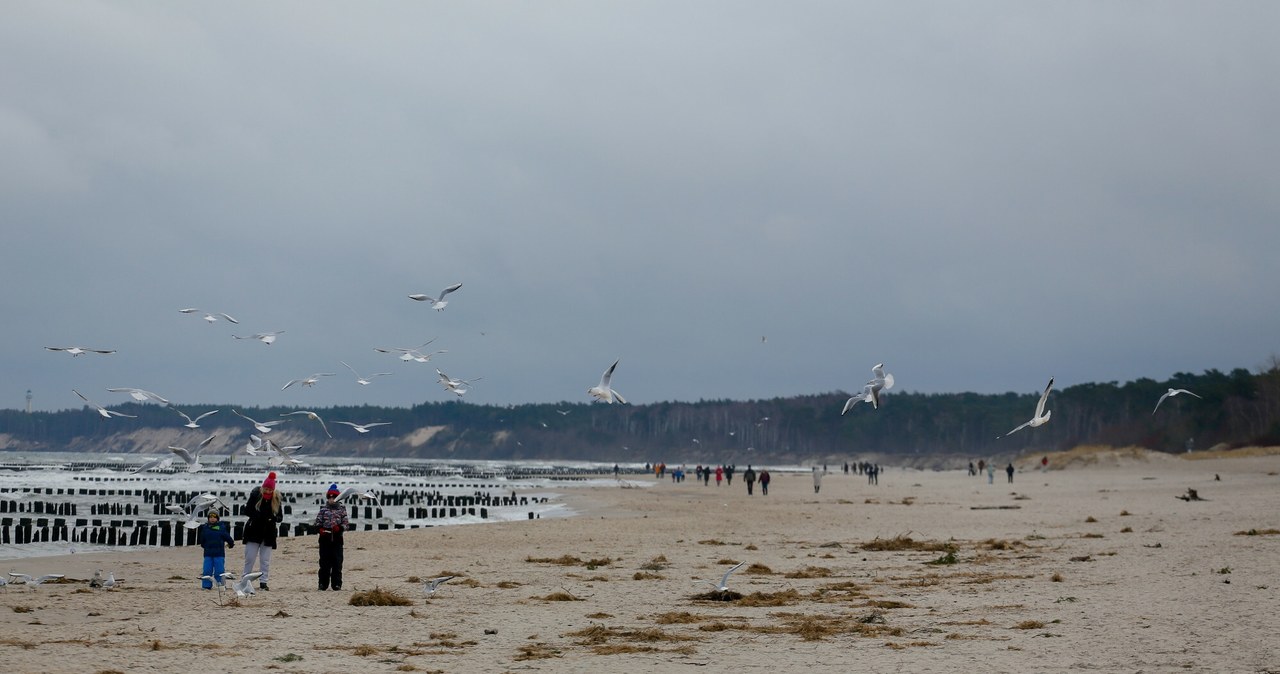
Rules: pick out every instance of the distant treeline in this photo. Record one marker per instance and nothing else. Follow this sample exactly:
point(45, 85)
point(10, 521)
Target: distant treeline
point(1238, 408)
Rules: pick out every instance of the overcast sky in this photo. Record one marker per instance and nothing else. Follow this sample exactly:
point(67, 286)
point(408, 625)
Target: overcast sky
point(979, 195)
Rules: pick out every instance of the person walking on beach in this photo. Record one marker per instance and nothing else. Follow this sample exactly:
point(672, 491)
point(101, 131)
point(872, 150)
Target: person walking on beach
point(991, 473)
point(331, 522)
point(764, 482)
point(728, 475)
point(750, 477)
point(817, 480)
point(1009, 469)
point(719, 474)
point(214, 536)
point(262, 517)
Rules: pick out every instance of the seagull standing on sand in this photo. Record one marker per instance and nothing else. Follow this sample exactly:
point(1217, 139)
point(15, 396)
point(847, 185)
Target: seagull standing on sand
point(437, 303)
point(430, 585)
point(603, 391)
point(1173, 392)
point(78, 350)
point(724, 580)
point(244, 586)
point(1042, 415)
point(106, 413)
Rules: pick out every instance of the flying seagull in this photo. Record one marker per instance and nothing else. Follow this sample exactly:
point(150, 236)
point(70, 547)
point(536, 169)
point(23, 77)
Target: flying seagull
point(35, 581)
point(458, 386)
point(140, 395)
point(437, 303)
point(244, 586)
point(724, 580)
point(363, 381)
point(363, 428)
point(312, 416)
point(1042, 415)
point(603, 392)
point(261, 426)
point(192, 423)
point(430, 585)
point(359, 494)
point(192, 458)
point(209, 316)
point(264, 337)
point(77, 350)
point(1173, 392)
point(870, 394)
point(158, 462)
point(307, 381)
point(106, 413)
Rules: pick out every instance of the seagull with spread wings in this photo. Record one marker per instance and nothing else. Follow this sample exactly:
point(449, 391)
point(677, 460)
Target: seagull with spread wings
point(724, 580)
point(209, 316)
point(312, 416)
point(265, 337)
point(140, 395)
point(437, 303)
point(363, 381)
point(192, 458)
point(1173, 392)
point(192, 423)
point(602, 391)
point(1042, 415)
point(363, 428)
point(78, 350)
point(261, 426)
point(106, 413)
point(458, 386)
point(307, 381)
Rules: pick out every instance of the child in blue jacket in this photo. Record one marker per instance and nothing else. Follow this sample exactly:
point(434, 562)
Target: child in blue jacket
point(213, 535)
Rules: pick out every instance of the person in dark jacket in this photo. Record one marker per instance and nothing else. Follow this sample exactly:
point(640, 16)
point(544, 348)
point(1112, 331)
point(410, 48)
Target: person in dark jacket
point(750, 478)
point(262, 520)
point(214, 536)
point(331, 522)
point(764, 482)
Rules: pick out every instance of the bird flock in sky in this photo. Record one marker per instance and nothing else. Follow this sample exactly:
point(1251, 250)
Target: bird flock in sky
point(880, 382)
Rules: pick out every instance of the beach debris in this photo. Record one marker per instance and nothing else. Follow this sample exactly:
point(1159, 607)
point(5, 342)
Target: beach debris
point(1191, 495)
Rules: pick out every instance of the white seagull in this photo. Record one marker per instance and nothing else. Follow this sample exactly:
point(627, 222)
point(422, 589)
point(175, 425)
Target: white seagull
point(1173, 392)
point(869, 394)
point(1042, 415)
point(209, 316)
point(140, 395)
point(603, 392)
point(244, 586)
point(363, 428)
point(264, 337)
point(724, 580)
point(363, 381)
point(307, 381)
point(880, 379)
point(312, 416)
point(193, 458)
point(261, 426)
point(77, 350)
point(403, 350)
point(158, 462)
point(420, 357)
point(430, 585)
point(29, 580)
point(359, 495)
point(106, 413)
point(192, 423)
point(437, 303)
point(458, 386)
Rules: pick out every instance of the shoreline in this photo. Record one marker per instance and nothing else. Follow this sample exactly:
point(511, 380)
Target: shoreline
point(1093, 567)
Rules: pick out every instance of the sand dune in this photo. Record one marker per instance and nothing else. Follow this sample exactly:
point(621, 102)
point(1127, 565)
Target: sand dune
point(1095, 566)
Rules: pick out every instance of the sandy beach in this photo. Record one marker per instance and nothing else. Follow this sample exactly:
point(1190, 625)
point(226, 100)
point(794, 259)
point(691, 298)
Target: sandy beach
point(1091, 565)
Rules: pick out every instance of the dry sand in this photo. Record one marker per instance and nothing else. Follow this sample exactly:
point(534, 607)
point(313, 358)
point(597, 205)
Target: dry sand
point(1091, 567)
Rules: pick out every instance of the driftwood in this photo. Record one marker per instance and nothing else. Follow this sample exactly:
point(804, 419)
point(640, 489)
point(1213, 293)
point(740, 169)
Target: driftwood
point(1006, 507)
point(1191, 495)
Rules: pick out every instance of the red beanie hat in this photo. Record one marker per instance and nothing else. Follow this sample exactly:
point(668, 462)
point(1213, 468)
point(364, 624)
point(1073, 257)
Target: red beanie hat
point(270, 482)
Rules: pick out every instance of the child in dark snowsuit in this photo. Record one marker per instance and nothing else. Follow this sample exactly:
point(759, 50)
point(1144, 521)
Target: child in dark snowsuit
point(212, 536)
point(331, 522)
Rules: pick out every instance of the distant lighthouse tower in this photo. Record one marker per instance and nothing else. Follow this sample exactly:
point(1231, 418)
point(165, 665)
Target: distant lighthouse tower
point(28, 401)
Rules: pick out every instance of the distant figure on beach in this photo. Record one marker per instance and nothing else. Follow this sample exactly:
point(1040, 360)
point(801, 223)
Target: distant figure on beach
point(331, 523)
point(991, 473)
point(719, 474)
point(728, 475)
point(1009, 470)
point(764, 482)
point(971, 470)
point(615, 470)
point(817, 480)
point(214, 536)
point(873, 473)
point(262, 518)
point(1044, 463)
point(982, 465)
point(706, 477)
point(750, 477)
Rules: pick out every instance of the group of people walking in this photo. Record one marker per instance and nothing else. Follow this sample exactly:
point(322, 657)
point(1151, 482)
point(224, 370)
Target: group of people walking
point(263, 515)
point(990, 469)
